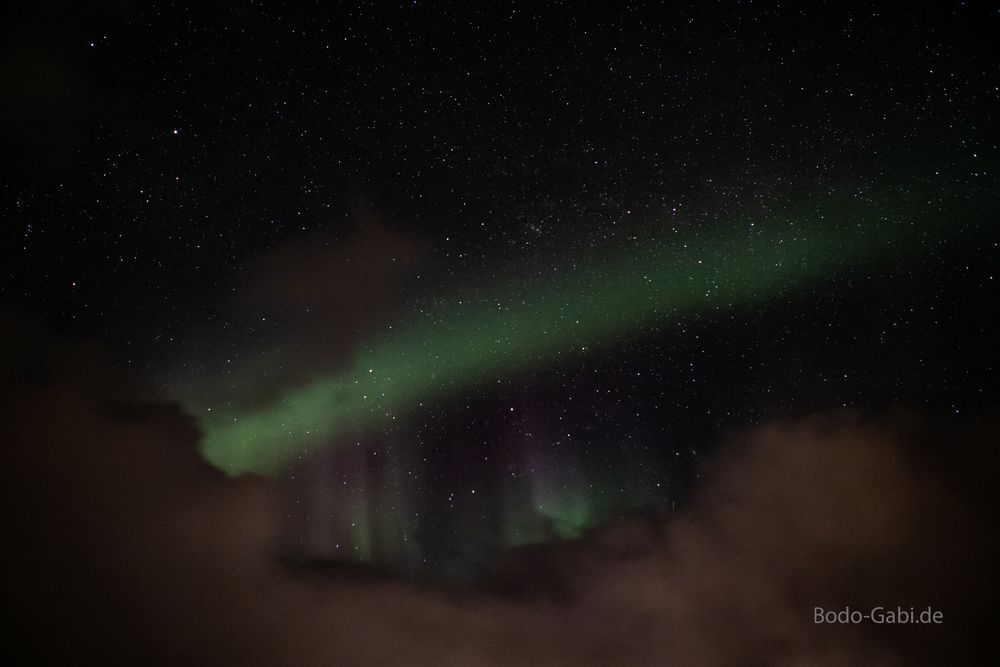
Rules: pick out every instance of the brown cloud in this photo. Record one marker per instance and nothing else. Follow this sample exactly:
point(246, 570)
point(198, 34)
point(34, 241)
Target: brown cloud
point(298, 311)
point(827, 512)
point(125, 546)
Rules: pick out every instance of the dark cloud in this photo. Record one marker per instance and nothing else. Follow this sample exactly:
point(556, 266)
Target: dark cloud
point(125, 546)
point(299, 310)
point(828, 512)
point(333, 283)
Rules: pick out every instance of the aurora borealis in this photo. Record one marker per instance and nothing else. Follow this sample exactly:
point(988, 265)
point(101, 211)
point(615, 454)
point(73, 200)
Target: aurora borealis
point(580, 307)
point(616, 294)
point(558, 334)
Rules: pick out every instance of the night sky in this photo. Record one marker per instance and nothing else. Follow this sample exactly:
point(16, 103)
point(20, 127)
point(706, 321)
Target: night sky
point(467, 288)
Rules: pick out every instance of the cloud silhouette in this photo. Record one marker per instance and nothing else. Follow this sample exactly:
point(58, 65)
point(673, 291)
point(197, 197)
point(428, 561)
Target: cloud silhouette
point(125, 546)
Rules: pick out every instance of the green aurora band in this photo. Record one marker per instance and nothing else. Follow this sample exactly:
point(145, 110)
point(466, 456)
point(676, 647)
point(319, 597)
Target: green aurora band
point(725, 266)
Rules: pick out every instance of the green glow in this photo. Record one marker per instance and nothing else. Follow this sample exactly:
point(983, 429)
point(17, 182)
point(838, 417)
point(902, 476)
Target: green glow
point(726, 266)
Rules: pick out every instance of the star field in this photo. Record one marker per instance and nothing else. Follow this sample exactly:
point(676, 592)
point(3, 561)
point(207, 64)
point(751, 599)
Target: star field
point(465, 278)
